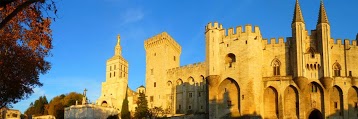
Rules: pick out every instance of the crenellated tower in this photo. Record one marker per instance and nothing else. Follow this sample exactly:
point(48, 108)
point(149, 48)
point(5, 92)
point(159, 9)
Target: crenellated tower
point(162, 53)
point(299, 34)
point(323, 33)
point(214, 36)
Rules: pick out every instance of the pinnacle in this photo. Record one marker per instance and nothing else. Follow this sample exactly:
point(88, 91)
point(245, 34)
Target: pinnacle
point(297, 15)
point(322, 16)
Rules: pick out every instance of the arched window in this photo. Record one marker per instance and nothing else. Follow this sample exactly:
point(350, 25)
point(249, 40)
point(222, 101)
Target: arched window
point(337, 69)
point(230, 59)
point(276, 67)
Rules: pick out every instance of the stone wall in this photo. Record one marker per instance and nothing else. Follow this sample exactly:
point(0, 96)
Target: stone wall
point(89, 111)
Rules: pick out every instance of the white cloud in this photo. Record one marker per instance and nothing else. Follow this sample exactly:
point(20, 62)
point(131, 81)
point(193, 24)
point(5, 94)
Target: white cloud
point(132, 15)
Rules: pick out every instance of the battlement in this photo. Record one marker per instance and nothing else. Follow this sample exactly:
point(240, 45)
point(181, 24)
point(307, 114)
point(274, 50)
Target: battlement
point(273, 41)
point(216, 26)
point(240, 31)
point(162, 38)
point(186, 67)
point(348, 42)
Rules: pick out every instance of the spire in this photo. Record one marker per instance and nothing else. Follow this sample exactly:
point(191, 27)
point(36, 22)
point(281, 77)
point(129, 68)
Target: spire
point(118, 49)
point(297, 15)
point(322, 17)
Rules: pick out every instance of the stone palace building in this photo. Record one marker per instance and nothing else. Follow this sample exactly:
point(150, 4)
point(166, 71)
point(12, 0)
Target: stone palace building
point(305, 76)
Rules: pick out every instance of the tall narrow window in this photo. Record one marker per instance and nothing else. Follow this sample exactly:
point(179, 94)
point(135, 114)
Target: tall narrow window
point(337, 69)
point(174, 58)
point(276, 67)
point(350, 73)
point(314, 88)
point(114, 74)
point(335, 105)
point(151, 71)
point(155, 84)
point(151, 99)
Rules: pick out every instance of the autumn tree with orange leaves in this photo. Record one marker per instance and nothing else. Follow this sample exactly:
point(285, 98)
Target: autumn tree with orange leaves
point(25, 42)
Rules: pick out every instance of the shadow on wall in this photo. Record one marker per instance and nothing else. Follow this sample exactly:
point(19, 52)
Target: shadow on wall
point(190, 96)
point(191, 100)
point(351, 113)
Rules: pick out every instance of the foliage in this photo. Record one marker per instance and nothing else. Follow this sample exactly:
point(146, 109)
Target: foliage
point(25, 41)
point(142, 107)
point(55, 107)
point(125, 114)
point(38, 108)
point(58, 103)
point(156, 112)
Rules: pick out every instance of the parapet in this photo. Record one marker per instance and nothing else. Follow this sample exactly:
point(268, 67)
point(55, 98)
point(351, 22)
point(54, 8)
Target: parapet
point(186, 67)
point(216, 26)
point(273, 41)
point(239, 31)
point(161, 38)
point(347, 42)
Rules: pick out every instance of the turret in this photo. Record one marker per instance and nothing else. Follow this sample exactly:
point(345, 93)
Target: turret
point(213, 36)
point(298, 35)
point(323, 36)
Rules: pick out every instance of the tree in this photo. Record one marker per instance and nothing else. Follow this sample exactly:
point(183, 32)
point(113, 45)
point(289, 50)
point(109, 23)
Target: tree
point(37, 108)
point(156, 112)
point(125, 114)
point(56, 105)
point(59, 103)
point(25, 40)
point(142, 107)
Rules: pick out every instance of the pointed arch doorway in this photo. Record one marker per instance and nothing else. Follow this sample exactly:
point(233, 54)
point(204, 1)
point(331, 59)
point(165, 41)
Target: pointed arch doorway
point(315, 114)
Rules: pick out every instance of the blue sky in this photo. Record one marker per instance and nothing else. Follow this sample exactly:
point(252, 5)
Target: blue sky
point(85, 33)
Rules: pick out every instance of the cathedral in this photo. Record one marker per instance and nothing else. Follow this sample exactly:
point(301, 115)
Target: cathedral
point(307, 75)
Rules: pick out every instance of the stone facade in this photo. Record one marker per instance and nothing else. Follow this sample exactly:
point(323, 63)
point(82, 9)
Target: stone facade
point(89, 111)
point(6, 113)
point(244, 74)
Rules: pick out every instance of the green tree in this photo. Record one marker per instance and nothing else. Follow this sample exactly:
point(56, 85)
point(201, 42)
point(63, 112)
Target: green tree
point(71, 99)
point(59, 103)
point(156, 112)
point(25, 42)
point(142, 107)
point(125, 114)
point(37, 108)
point(56, 106)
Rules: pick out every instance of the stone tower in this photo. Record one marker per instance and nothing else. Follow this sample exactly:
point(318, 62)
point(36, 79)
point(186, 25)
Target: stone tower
point(323, 34)
point(162, 53)
point(115, 86)
point(213, 36)
point(299, 34)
